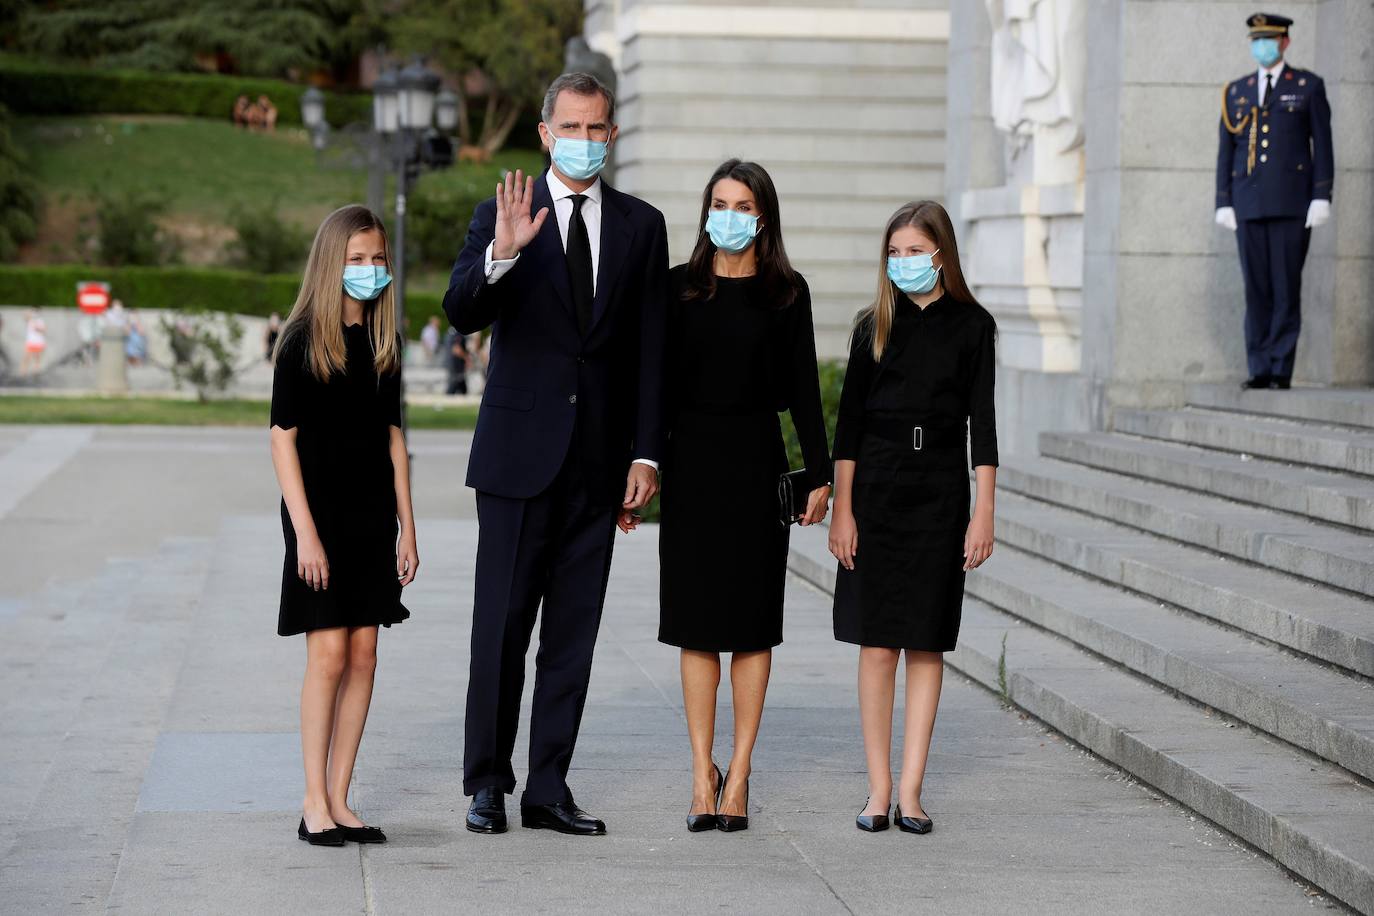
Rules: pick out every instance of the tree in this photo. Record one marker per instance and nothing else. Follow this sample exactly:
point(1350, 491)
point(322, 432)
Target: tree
point(18, 194)
point(259, 37)
point(516, 44)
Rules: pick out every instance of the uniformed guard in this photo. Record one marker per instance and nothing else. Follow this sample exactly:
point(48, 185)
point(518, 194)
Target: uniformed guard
point(1274, 173)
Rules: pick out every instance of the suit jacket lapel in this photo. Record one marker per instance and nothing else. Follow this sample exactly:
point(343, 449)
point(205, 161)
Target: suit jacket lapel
point(616, 234)
point(547, 247)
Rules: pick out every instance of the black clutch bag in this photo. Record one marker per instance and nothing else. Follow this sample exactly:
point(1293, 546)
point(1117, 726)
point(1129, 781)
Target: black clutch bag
point(792, 495)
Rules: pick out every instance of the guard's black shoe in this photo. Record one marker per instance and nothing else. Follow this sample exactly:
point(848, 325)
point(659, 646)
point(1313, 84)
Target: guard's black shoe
point(363, 834)
point(564, 817)
point(331, 837)
point(1281, 382)
point(487, 813)
point(913, 824)
point(1256, 381)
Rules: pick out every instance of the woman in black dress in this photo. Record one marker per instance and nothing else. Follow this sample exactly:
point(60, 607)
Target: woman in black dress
point(917, 394)
point(341, 461)
point(741, 349)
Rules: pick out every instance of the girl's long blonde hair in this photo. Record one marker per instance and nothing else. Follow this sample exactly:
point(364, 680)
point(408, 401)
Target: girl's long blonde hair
point(318, 312)
point(934, 223)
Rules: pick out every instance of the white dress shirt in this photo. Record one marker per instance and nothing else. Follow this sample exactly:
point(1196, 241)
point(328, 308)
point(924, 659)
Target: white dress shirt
point(562, 210)
point(1277, 72)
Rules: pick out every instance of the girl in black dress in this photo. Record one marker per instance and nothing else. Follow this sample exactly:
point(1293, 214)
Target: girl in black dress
point(917, 403)
point(341, 461)
point(740, 349)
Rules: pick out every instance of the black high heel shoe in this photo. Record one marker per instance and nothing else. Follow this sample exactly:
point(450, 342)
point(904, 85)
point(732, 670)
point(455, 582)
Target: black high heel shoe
point(732, 822)
point(331, 837)
point(872, 823)
point(696, 823)
point(913, 824)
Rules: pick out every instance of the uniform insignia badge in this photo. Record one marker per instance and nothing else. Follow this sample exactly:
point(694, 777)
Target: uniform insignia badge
point(1250, 81)
point(1233, 90)
point(1287, 74)
point(1302, 82)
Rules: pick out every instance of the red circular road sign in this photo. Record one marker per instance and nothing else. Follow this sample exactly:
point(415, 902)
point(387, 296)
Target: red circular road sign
point(93, 298)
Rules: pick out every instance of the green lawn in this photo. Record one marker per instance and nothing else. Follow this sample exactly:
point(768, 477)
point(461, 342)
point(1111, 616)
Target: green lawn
point(166, 412)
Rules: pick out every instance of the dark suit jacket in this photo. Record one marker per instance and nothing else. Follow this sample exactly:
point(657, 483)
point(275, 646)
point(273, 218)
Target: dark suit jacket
point(1293, 162)
point(543, 374)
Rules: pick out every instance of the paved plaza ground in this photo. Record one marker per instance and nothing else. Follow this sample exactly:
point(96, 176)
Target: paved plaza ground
point(149, 761)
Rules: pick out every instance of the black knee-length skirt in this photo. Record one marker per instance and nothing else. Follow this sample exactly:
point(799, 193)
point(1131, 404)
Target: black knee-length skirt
point(906, 590)
point(722, 550)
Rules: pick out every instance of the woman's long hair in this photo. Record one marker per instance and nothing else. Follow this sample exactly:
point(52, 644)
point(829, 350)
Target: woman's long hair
point(318, 312)
point(933, 222)
point(774, 270)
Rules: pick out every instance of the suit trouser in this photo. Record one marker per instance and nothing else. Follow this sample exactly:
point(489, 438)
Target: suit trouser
point(1272, 252)
point(554, 548)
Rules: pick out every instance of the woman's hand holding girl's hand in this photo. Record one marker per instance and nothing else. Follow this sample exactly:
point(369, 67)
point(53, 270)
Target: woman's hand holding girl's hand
point(978, 540)
point(311, 563)
point(844, 537)
point(407, 559)
point(816, 505)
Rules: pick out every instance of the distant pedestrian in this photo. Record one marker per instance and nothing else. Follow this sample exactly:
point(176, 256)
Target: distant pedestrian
point(456, 359)
point(267, 114)
point(35, 343)
point(271, 334)
point(136, 344)
point(429, 340)
point(340, 457)
point(242, 112)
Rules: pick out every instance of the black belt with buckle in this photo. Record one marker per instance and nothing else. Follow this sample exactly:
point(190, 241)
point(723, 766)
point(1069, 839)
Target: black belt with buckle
point(919, 436)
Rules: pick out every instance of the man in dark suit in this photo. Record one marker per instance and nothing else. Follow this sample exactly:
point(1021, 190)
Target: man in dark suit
point(1274, 175)
point(567, 442)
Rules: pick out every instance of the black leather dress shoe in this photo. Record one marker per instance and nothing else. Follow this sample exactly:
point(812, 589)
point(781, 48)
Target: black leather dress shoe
point(913, 824)
point(487, 813)
point(1256, 381)
point(331, 837)
point(363, 834)
point(564, 817)
point(697, 823)
point(1280, 382)
point(872, 823)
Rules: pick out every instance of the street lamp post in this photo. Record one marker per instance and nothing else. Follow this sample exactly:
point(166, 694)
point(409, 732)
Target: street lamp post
point(405, 106)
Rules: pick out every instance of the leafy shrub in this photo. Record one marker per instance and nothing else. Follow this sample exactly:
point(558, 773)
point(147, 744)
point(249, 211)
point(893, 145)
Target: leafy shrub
point(203, 350)
point(265, 242)
point(438, 217)
point(127, 230)
point(18, 194)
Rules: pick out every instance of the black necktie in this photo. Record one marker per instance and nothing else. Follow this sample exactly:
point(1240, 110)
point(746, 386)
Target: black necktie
point(580, 264)
point(1268, 88)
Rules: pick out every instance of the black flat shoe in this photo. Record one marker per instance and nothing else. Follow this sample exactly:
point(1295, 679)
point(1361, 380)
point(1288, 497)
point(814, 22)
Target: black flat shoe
point(913, 824)
point(487, 813)
point(331, 837)
point(363, 834)
point(872, 823)
point(697, 823)
point(565, 817)
point(1256, 381)
point(1280, 382)
point(732, 822)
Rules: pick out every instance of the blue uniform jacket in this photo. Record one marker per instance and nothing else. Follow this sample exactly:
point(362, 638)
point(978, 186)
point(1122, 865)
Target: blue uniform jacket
point(1290, 162)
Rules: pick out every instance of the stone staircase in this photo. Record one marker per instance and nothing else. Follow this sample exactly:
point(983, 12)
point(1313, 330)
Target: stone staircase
point(1191, 596)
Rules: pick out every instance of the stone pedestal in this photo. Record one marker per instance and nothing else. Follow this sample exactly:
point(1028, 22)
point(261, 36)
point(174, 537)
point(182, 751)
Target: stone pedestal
point(112, 374)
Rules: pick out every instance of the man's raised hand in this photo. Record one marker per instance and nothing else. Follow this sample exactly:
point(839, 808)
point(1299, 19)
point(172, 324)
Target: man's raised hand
point(514, 227)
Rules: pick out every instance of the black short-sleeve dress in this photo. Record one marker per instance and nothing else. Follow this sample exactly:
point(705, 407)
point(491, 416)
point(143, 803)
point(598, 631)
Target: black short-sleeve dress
point(911, 505)
point(734, 361)
point(343, 439)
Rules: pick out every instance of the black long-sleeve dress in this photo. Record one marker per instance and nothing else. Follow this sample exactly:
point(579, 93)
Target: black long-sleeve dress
point(911, 506)
point(343, 439)
point(734, 362)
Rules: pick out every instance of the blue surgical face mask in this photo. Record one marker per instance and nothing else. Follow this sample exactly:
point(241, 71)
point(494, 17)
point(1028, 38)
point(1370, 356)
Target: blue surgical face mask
point(579, 159)
point(1265, 50)
point(915, 274)
point(731, 230)
point(365, 282)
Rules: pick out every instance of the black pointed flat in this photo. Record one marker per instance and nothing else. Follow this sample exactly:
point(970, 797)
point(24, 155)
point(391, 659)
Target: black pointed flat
point(872, 823)
point(699, 823)
point(913, 824)
point(331, 837)
point(363, 834)
point(729, 823)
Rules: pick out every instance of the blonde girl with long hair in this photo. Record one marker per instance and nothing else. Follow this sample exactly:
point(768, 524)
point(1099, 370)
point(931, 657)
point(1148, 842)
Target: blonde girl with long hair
point(340, 457)
point(917, 404)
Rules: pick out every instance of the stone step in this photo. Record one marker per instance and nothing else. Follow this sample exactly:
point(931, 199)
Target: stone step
point(92, 784)
point(1311, 816)
point(1336, 448)
point(1339, 406)
point(1330, 497)
point(1322, 553)
point(1334, 626)
point(1314, 707)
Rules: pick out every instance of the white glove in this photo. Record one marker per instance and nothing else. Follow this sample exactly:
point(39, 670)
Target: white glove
point(1226, 216)
point(1318, 212)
